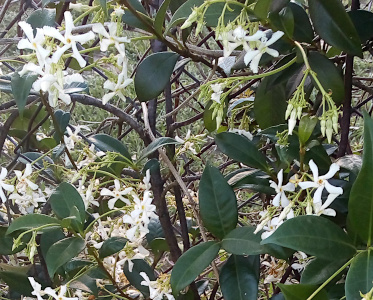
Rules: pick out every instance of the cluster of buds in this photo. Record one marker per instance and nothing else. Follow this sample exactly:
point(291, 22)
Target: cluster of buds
point(329, 119)
point(197, 16)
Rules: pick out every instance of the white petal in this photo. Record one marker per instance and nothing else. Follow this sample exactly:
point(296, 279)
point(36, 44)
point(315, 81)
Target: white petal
point(106, 192)
point(69, 23)
point(329, 212)
point(334, 168)
point(111, 203)
point(107, 97)
point(254, 65)
point(100, 29)
point(78, 56)
point(3, 173)
point(317, 195)
point(84, 38)
point(109, 85)
point(255, 37)
point(307, 185)
point(54, 33)
point(28, 170)
point(250, 55)
point(276, 200)
point(329, 200)
point(104, 44)
point(32, 185)
point(2, 195)
point(280, 177)
point(272, 52)
point(59, 52)
point(284, 200)
point(274, 38)
point(7, 187)
point(315, 170)
point(27, 29)
point(333, 189)
point(290, 187)
point(25, 44)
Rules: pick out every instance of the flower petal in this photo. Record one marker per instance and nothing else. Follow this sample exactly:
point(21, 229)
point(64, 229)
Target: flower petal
point(317, 195)
point(333, 189)
point(274, 38)
point(334, 168)
point(254, 65)
point(314, 169)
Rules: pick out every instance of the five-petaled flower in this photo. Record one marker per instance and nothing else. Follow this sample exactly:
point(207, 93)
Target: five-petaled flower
point(280, 198)
point(117, 194)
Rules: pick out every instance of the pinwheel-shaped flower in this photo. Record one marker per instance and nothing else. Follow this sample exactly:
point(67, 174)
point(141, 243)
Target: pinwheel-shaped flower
point(117, 194)
point(117, 88)
point(280, 198)
point(33, 42)
point(61, 294)
point(24, 181)
point(68, 40)
point(3, 185)
point(321, 182)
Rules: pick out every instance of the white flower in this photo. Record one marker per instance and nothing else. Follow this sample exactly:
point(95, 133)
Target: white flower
point(33, 43)
point(117, 88)
point(61, 294)
point(87, 194)
point(322, 209)
point(302, 261)
point(118, 11)
point(91, 155)
point(79, 7)
point(3, 185)
point(27, 199)
point(24, 181)
point(320, 182)
point(146, 180)
point(111, 37)
point(280, 198)
point(254, 56)
point(69, 40)
point(117, 194)
point(272, 225)
point(217, 91)
point(188, 145)
point(245, 133)
point(37, 291)
point(292, 122)
point(73, 137)
point(158, 288)
point(130, 252)
point(144, 208)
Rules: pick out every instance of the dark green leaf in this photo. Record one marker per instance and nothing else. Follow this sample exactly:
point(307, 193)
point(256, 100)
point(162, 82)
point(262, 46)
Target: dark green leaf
point(252, 181)
point(270, 104)
point(319, 270)
point(160, 17)
point(63, 251)
point(360, 276)
point(302, 292)
point(239, 278)
point(363, 21)
point(217, 203)
point(264, 7)
point(16, 278)
point(63, 119)
point(303, 31)
point(360, 206)
point(106, 143)
point(50, 237)
point(130, 19)
point(6, 243)
point(155, 230)
point(183, 12)
point(191, 264)
point(306, 126)
point(111, 246)
point(42, 17)
point(215, 11)
point(243, 241)
point(328, 74)
point(135, 278)
point(315, 236)
point(153, 74)
point(284, 21)
point(156, 144)
point(31, 221)
point(241, 149)
point(333, 24)
point(63, 201)
point(21, 87)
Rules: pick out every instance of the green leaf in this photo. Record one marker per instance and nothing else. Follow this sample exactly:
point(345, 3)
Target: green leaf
point(284, 21)
point(363, 21)
point(302, 292)
point(239, 278)
point(360, 206)
point(241, 149)
point(303, 31)
point(135, 278)
point(6, 243)
point(130, 19)
point(31, 221)
point(319, 270)
point(252, 181)
point(103, 4)
point(16, 278)
point(217, 203)
point(160, 17)
point(106, 143)
point(155, 230)
point(270, 104)
point(243, 241)
point(111, 246)
point(21, 87)
point(360, 276)
point(191, 264)
point(49, 237)
point(264, 7)
point(329, 76)
point(153, 74)
point(215, 10)
point(156, 144)
point(183, 12)
point(63, 251)
point(306, 126)
point(66, 201)
point(333, 24)
point(313, 235)
point(42, 17)
point(63, 119)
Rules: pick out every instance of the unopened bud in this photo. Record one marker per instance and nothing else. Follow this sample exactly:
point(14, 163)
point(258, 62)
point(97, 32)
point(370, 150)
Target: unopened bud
point(288, 110)
point(323, 127)
point(309, 208)
point(191, 19)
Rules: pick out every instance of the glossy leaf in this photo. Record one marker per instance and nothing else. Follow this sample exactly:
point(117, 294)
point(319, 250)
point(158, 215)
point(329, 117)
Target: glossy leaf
point(111, 246)
point(155, 230)
point(153, 74)
point(16, 278)
point(31, 221)
point(328, 74)
point(333, 24)
point(63, 251)
point(302, 292)
point(6, 243)
point(284, 21)
point(156, 144)
point(63, 119)
point(243, 241)
point(21, 87)
point(239, 277)
point(360, 206)
point(215, 10)
point(135, 278)
point(191, 264)
point(106, 143)
point(42, 17)
point(319, 270)
point(303, 31)
point(315, 236)
point(306, 126)
point(249, 179)
point(363, 21)
point(217, 203)
point(241, 149)
point(130, 19)
point(63, 201)
point(360, 276)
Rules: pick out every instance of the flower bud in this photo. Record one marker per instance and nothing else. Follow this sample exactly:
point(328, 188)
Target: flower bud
point(191, 19)
point(323, 127)
point(309, 208)
point(288, 110)
point(292, 122)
